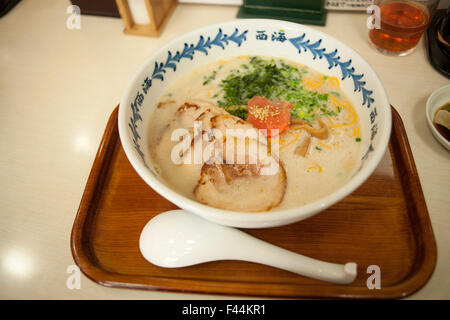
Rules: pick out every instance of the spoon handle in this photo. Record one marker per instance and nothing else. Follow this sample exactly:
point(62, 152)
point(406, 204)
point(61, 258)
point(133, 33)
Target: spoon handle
point(262, 252)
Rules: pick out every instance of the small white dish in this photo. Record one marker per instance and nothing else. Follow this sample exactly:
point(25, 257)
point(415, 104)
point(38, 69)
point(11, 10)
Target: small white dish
point(437, 99)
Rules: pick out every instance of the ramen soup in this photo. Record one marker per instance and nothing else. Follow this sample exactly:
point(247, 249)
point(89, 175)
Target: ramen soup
point(295, 136)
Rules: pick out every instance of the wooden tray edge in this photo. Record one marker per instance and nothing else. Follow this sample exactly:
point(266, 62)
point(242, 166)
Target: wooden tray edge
point(81, 257)
point(421, 220)
point(405, 288)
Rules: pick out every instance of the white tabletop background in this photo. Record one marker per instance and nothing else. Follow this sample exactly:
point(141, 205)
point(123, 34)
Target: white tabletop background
point(57, 90)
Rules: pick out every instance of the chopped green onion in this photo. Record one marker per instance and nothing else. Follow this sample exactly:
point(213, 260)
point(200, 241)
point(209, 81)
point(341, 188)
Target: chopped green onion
point(210, 78)
point(275, 80)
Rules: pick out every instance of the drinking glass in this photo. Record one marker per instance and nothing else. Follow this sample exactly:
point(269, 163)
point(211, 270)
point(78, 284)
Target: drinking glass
point(401, 26)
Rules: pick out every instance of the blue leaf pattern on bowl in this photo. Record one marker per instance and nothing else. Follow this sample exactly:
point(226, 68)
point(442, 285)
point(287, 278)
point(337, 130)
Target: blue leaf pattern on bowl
point(334, 61)
point(222, 40)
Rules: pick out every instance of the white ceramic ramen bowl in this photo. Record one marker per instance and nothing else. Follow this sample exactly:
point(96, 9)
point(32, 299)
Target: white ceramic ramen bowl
point(254, 37)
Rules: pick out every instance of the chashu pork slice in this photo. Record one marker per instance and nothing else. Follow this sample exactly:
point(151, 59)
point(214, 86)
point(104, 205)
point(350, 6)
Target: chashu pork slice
point(251, 186)
point(201, 117)
point(209, 116)
point(196, 110)
point(240, 187)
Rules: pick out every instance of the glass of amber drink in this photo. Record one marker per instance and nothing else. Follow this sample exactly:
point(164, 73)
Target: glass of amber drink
point(401, 25)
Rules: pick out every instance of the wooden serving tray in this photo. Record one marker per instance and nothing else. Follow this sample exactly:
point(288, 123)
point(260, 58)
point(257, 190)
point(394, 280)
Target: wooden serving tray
point(385, 223)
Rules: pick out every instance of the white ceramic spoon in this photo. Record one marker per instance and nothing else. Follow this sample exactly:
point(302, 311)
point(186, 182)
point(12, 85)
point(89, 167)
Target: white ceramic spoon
point(178, 239)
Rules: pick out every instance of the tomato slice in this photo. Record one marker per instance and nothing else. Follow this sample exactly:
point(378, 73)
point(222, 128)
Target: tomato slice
point(266, 114)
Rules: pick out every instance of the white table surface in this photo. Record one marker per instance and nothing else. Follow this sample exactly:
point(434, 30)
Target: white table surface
point(57, 90)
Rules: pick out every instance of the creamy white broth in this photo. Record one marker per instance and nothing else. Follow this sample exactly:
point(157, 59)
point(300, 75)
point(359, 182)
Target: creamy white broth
point(328, 164)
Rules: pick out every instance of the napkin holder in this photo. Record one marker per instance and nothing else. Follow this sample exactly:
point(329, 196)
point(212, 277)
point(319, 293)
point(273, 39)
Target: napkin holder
point(301, 11)
point(145, 17)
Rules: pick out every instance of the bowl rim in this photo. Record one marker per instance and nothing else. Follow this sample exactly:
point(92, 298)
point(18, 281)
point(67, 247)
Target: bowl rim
point(430, 110)
point(242, 218)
